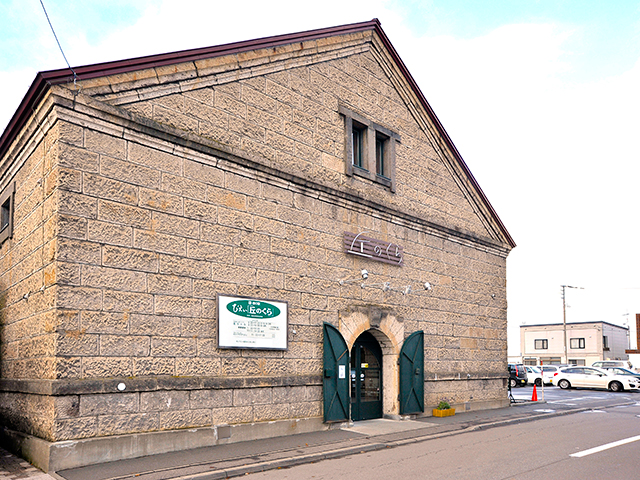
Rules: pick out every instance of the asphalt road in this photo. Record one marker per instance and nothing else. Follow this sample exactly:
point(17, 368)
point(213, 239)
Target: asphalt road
point(553, 448)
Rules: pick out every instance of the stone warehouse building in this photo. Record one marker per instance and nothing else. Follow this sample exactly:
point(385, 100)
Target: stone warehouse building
point(243, 241)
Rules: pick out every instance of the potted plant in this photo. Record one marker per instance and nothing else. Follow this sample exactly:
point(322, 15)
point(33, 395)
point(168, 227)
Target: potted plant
point(443, 410)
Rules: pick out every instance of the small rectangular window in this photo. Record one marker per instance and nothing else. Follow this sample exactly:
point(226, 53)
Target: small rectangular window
point(605, 342)
point(357, 139)
point(370, 149)
point(380, 155)
point(541, 344)
point(6, 212)
point(576, 343)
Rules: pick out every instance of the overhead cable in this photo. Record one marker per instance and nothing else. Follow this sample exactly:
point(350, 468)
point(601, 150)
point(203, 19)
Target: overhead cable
point(75, 77)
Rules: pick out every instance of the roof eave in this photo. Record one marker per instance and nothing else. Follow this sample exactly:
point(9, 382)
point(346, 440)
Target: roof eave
point(45, 79)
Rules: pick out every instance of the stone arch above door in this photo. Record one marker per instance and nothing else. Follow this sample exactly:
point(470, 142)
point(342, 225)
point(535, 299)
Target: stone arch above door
point(354, 322)
point(389, 331)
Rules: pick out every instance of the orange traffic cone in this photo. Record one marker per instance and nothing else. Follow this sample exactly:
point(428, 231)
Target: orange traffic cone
point(534, 397)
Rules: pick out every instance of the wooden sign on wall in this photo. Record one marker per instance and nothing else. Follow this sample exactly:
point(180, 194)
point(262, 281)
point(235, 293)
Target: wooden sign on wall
point(372, 248)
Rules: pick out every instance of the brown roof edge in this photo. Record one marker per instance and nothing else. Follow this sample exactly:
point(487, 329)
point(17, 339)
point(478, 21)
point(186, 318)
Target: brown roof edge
point(44, 80)
point(55, 77)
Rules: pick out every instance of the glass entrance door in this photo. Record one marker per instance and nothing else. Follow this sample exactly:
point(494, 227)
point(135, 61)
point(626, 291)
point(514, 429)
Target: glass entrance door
point(366, 378)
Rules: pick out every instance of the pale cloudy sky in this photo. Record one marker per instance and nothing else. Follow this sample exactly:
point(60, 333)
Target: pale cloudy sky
point(541, 98)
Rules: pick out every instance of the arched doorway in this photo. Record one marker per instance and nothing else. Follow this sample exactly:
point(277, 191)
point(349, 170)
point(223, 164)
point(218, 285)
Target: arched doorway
point(366, 378)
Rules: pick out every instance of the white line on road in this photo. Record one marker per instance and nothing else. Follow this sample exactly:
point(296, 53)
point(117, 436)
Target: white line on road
point(575, 399)
point(584, 453)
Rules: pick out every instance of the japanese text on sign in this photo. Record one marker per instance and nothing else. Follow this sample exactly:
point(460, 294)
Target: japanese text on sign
point(372, 248)
point(252, 323)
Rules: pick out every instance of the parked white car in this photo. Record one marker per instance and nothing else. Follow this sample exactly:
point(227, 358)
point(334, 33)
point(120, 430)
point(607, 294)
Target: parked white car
point(591, 377)
point(611, 364)
point(622, 371)
point(534, 375)
point(548, 371)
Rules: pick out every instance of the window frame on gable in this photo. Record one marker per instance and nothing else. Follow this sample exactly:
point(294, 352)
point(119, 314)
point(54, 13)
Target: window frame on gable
point(382, 154)
point(358, 133)
point(370, 149)
point(6, 212)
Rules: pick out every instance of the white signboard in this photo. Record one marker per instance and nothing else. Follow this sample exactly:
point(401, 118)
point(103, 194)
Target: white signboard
point(251, 323)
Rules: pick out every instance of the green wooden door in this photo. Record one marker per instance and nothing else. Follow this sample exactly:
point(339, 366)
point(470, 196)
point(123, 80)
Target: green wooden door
point(412, 374)
point(335, 378)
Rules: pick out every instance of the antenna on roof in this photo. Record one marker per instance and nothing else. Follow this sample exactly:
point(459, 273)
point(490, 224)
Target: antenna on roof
point(75, 77)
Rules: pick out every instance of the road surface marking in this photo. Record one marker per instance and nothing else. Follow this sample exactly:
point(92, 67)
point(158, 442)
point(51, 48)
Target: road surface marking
point(584, 453)
point(575, 399)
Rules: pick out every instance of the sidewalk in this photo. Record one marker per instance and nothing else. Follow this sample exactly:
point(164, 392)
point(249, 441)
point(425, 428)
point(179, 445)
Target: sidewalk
point(231, 460)
point(14, 468)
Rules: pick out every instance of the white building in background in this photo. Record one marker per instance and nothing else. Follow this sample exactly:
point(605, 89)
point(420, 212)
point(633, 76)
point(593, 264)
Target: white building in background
point(634, 347)
point(586, 342)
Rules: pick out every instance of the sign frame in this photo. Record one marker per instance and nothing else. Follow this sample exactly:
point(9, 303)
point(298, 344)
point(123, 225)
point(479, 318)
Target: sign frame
point(233, 327)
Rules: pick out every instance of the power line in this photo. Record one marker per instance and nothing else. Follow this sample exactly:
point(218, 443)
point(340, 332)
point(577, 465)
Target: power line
point(58, 42)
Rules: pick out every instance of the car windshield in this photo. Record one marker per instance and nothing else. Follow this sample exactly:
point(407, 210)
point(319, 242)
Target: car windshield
point(534, 369)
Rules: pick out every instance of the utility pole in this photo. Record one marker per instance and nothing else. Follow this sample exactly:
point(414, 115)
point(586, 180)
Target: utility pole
point(564, 321)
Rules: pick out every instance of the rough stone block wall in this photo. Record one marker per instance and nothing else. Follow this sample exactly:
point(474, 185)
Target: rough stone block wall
point(145, 232)
point(26, 275)
point(464, 394)
point(140, 259)
point(27, 288)
point(29, 413)
point(289, 116)
point(96, 415)
point(144, 262)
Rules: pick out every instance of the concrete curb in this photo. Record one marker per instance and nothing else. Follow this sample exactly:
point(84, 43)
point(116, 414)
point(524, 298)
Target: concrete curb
point(283, 463)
